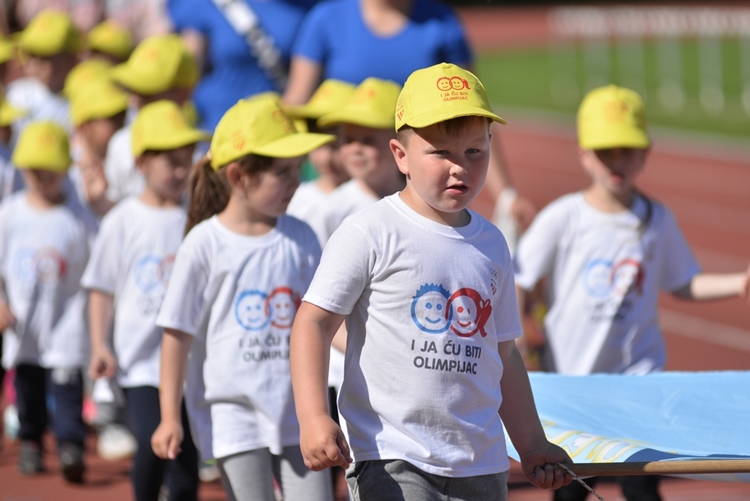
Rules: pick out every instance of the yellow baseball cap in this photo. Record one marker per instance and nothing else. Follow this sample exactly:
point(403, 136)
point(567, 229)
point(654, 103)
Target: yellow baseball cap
point(9, 114)
point(259, 126)
point(162, 126)
point(83, 73)
point(371, 105)
point(42, 145)
point(157, 64)
point(439, 93)
point(612, 117)
point(50, 33)
point(111, 38)
point(97, 99)
point(330, 96)
point(7, 49)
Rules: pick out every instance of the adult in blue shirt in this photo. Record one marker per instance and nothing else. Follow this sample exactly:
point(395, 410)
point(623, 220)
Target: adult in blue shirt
point(232, 71)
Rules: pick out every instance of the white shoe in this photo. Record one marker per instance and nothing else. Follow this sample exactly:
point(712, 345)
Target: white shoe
point(115, 442)
point(208, 471)
point(11, 424)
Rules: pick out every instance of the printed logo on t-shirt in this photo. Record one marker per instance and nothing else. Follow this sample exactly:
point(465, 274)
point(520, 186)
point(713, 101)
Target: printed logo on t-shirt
point(45, 266)
point(269, 316)
point(151, 275)
point(608, 283)
point(435, 310)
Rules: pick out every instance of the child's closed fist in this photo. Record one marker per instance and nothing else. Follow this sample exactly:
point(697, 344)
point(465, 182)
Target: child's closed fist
point(539, 466)
point(166, 440)
point(323, 444)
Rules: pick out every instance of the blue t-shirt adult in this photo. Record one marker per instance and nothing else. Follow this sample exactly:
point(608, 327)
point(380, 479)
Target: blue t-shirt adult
point(335, 35)
point(234, 72)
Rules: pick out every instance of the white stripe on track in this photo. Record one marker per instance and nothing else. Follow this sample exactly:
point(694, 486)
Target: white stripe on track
point(705, 330)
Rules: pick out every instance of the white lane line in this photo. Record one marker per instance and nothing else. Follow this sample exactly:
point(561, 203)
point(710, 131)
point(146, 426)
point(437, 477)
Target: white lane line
point(705, 330)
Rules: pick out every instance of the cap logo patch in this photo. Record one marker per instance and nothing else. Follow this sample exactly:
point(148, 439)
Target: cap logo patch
point(399, 109)
point(615, 111)
point(238, 140)
point(280, 117)
point(453, 88)
point(364, 95)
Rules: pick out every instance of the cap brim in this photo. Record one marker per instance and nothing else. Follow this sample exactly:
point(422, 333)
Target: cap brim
point(442, 114)
point(619, 138)
point(128, 77)
point(350, 117)
point(294, 145)
point(177, 140)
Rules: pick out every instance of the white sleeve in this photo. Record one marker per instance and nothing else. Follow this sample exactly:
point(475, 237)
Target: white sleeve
point(106, 257)
point(535, 255)
point(184, 303)
point(505, 315)
point(344, 272)
point(680, 266)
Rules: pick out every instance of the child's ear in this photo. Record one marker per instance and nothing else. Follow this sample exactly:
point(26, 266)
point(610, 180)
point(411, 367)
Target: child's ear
point(399, 153)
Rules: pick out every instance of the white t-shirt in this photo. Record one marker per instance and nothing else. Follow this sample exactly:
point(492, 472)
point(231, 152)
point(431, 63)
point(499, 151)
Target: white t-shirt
point(43, 253)
point(308, 204)
point(427, 305)
point(243, 292)
point(132, 260)
point(41, 104)
point(605, 273)
point(119, 167)
point(347, 199)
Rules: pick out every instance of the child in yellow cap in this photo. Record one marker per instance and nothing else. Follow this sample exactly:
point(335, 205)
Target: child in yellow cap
point(233, 293)
point(10, 177)
point(126, 277)
point(365, 128)
point(608, 251)
point(161, 67)
point(309, 201)
point(109, 42)
point(49, 44)
point(426, 288)
point(45, 237)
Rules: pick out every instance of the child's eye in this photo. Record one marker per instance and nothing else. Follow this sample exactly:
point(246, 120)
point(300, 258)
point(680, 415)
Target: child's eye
point(440, 152)
point(473, 151)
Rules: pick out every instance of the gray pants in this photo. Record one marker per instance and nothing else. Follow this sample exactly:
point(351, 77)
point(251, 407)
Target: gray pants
point(248, 476)
point(395, 480)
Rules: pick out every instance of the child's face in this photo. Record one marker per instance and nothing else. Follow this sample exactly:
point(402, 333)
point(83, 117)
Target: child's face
point(614, 169)
point(365, 152)
point(444, 172)
point(44, 183)
point(270, 192)
point(166, 172)
point(327, 163)
point(99, 131)
point(51, 71)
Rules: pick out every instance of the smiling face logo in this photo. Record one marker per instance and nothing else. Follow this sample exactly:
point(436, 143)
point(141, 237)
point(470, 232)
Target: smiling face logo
point(281, 306)
point(429, 307)
point(250, 310)
point(444, 84)
point(469, 312)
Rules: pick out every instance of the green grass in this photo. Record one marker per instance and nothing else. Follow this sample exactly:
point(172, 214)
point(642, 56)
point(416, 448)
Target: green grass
point(524, 78)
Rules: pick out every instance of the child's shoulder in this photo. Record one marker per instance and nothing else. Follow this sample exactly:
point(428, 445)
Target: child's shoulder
point(297, 230)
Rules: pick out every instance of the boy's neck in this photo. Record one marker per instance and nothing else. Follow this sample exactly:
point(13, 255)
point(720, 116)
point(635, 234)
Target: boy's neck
point(39, 201)
point(415, 203)
point(326, 184)
point(153, 199)
point(601, 199)
point(236, 218)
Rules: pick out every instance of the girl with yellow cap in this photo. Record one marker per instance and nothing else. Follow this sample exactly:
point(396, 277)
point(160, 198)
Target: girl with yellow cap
point(235, 287)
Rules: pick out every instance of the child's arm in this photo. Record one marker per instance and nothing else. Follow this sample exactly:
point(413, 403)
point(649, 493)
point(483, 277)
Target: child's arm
point(709, 286)
point(321, 440)
point(519, 415)
point(175, 347)
point(101, 306)
point(7, 319)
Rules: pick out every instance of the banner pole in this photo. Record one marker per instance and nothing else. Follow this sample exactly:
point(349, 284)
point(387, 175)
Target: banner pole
point(676, 467)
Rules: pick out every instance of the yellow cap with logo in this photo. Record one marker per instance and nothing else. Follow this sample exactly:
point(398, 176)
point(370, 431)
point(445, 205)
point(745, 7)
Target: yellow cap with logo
point(44, 146)
point(439, 93)
point(162, 126)
point(330, 96)
point(111, 38)
point(83, 73)
point(371, 105)
point(9, 114)
point(158, 64)
point(7, 50)
point(50, 33)
point(612, 117)
point(259, 126)
point(97, 99)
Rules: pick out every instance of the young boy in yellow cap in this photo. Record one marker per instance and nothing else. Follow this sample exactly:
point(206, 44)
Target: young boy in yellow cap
point(160, 67)
point(126, 277)
point(45, 239)
point(365, 128)
point(97, 111)
point(608, 252)
point(49, 44)
point(309, 200)
point(426, 288)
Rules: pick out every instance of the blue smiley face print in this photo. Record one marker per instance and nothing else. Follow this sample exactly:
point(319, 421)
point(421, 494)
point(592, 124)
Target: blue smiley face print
point(429, 309)
point(250, 310)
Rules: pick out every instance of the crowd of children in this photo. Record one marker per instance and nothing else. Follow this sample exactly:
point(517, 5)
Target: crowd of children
point(213, 297)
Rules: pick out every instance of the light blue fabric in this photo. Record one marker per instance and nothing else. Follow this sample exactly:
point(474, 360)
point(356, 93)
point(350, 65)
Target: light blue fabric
point(335, 36)
point(660, 416)
point(233, 72)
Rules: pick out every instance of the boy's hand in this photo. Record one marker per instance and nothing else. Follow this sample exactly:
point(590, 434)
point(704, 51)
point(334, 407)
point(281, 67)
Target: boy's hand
point(103, 364)
point(7, 319)
point(323, 444)
point(539, 466)
point(166, 440)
